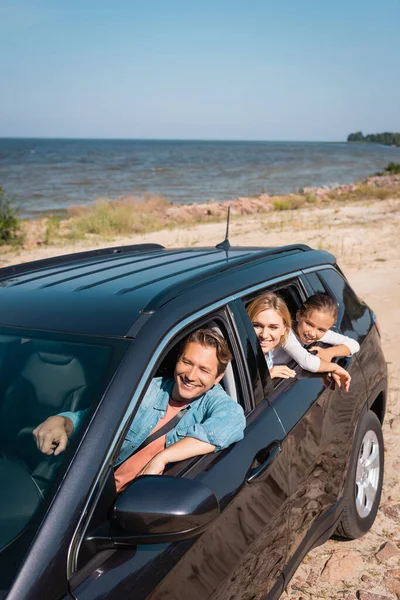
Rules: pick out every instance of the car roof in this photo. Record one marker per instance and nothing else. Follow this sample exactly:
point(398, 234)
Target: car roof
point(104, 292)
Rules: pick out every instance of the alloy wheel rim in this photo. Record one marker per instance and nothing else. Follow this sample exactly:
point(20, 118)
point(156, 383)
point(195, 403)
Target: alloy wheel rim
point(367, 474)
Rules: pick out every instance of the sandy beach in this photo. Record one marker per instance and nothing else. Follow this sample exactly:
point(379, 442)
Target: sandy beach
point(365, 239)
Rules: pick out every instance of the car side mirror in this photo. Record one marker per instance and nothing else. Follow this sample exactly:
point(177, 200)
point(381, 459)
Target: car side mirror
point(160, 509)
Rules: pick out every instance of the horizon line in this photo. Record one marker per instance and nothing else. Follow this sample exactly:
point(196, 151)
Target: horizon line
point(150, 139)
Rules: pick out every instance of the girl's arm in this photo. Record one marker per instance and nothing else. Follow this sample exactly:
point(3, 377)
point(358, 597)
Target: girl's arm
point(313, 363)
point(342, 345)
point(304, 359)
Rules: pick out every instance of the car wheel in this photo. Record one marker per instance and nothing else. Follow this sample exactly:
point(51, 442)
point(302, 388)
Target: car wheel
point(364, 479)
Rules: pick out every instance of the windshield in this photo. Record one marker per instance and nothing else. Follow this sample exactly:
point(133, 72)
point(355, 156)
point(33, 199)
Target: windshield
point(41, 374)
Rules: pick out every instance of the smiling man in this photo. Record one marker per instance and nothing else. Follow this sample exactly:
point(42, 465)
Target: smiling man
point(189, 415)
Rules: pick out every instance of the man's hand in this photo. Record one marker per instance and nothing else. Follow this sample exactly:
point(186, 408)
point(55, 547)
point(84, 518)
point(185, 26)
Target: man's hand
point(51, 436)
point(341, 377)
point(325, 353)
point(155, 466)
point(282, 371)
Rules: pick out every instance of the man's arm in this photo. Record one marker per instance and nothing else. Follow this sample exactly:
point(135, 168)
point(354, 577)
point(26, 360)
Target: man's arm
point(52, 435)
point(222, 425)
point(188, 447)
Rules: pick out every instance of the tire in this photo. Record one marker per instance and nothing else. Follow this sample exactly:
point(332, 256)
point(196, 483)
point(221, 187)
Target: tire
point(363, 486)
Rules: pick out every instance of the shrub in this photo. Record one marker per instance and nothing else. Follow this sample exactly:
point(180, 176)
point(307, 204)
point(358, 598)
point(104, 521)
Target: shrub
point(311, 198)
point(120, 217)
point(52, 229)
point(372, 192)
point(288, 203)
point(393, 168)
point(9, 225)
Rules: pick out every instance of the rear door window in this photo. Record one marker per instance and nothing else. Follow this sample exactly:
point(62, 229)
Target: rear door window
point(353, 314)
point(292, 292)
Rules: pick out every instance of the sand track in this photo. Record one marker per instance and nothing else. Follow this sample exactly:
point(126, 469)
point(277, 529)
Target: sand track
point(365, 238)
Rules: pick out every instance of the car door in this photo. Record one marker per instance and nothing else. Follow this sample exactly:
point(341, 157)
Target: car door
point(299, 405)
point(319, 422)
point(243, 551)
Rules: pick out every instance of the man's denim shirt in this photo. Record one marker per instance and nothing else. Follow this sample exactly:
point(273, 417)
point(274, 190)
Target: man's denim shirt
point(213, 417)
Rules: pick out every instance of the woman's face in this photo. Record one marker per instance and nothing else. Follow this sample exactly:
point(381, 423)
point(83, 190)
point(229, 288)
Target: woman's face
point(269, 328)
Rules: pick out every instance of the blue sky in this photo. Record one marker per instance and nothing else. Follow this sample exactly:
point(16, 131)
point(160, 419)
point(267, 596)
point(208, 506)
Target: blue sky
point(178, 69)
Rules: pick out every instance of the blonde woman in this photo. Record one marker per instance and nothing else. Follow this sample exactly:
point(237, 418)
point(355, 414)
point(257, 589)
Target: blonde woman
point(271, 320)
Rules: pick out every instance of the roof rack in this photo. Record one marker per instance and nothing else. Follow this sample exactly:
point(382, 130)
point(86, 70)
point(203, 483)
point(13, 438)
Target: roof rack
point(65, 258)
point(174, 290)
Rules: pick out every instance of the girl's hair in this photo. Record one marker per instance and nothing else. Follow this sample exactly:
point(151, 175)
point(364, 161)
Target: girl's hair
point(321, 303)
point(269, 300)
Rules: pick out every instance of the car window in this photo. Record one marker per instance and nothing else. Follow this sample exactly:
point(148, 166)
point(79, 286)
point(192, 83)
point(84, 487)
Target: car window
point(317, 287)
point(155, 400)
point(41, 375)
point(233, 374)
point(293, 294)
point(353, 314)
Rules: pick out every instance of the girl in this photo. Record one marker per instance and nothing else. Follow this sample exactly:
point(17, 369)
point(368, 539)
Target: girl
point(271, 321)
point(314, 320)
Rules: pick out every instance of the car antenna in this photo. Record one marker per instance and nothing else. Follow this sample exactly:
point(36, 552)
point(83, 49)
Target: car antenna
point(225, 245)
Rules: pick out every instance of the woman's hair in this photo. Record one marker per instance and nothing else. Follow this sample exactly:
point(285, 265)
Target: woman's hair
point(321, 303)
point(269, 300)
point(210, 338)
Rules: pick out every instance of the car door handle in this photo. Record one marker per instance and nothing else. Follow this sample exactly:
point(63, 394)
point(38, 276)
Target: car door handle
point(266, 456)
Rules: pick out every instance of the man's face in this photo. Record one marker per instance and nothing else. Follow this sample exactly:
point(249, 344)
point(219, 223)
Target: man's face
point(196, 371)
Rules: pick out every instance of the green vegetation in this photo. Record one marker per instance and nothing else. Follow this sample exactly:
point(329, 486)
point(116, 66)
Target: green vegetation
point(363, 192)
point(9, 225)
point(52, 229)
point(393, 168)
point(288, 202)
point(108, 220)
point(119, 217)
point(386, 138)
point(310, 198)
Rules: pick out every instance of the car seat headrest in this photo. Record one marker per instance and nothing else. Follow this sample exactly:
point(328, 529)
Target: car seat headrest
point(55, 359)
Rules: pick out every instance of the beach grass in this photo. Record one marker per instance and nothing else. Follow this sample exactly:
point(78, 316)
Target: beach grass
point(289, 202)
point(119, 217)
point(109, 219)
point(364, 192)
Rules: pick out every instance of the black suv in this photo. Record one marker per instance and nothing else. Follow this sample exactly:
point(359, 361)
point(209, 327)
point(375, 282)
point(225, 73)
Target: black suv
point(91, 330)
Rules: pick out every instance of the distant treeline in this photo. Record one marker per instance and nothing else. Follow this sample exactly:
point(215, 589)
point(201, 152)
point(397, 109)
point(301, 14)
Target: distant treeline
point(388, 139)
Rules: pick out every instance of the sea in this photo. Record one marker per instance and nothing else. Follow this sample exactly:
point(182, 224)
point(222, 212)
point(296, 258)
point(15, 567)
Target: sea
point(46, 176)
